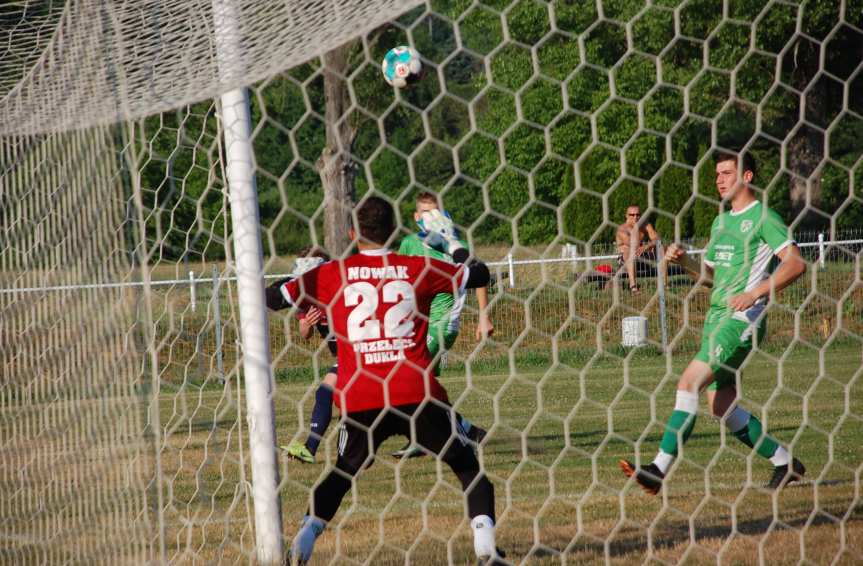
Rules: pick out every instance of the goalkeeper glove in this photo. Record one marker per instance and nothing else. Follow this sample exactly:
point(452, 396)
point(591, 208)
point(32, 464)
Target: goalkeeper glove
point(438, 231)
point(305, 264)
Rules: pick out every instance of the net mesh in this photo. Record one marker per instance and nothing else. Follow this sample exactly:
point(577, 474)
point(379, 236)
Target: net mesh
point(79, 63)
point(537, 123)
point(74, 461)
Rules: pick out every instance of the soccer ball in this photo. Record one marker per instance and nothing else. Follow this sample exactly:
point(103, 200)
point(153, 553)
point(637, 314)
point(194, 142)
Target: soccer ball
point(401, 66)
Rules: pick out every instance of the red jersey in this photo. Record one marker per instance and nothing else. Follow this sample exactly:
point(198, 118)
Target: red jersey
point(377, 303)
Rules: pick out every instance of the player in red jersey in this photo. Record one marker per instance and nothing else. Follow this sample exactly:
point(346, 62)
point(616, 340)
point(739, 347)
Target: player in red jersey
point(377, 303)
point(310, 320)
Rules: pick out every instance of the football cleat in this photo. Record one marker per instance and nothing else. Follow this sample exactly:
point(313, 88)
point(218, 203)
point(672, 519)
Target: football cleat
point(782, 476)
point(649, 477)
point(497, 560)
point(299, 451)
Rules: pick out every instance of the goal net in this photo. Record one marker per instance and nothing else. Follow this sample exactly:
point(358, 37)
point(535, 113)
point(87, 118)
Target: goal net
point(540, 126)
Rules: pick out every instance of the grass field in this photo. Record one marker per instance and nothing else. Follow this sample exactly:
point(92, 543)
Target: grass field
point(555, 437)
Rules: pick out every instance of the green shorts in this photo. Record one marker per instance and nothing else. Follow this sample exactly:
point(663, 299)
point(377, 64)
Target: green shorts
point(439, 333)
point(724, 347)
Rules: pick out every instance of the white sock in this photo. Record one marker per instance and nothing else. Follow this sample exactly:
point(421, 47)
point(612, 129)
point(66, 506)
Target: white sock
point(483, 536)
point(780, 457)
point(686, 402)
point(663, 461)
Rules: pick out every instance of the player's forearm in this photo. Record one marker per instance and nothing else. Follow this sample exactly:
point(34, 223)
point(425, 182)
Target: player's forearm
point(482, 299)
point(698, 270)
point(787, 273)
point(306, 330)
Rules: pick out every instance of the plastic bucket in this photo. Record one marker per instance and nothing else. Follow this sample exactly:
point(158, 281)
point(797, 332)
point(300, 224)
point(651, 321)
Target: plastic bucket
point(634, 331)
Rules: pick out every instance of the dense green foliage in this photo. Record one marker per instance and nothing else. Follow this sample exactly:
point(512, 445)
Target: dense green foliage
point(548, 126)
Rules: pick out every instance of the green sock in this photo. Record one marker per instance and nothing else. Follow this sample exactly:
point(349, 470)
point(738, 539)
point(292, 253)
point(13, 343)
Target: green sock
point(682, 420)
point(679, 421)
point(752, 433)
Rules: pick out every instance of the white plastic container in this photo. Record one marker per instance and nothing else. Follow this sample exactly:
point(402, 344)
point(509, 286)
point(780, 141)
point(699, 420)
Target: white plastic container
point(634, 331)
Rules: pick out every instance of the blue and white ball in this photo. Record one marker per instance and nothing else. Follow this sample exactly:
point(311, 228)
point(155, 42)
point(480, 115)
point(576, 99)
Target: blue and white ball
point(401, 65)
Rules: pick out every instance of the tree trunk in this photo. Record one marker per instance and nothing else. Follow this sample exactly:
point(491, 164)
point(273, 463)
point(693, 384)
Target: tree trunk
point(806, 148)
point(805, 151)
point(335, 165)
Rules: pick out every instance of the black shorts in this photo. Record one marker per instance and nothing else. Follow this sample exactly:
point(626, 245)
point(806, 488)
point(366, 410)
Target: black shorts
point(436, 430)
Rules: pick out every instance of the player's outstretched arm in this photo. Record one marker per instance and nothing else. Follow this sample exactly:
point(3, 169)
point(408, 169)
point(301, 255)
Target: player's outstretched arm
point(792, 267)
point(485, 327)
point(675, 253)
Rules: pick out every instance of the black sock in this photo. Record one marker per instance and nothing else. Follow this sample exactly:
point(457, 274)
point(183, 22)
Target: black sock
point(322, 413)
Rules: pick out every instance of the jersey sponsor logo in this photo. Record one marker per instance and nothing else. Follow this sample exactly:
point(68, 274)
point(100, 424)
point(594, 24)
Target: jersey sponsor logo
point(724, 253)
point(384, 345)
point(385, 272)
point(383, 357)
point(746, 226)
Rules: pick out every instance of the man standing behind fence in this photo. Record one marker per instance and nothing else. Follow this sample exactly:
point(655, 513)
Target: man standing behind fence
point(634, 241)
point(743, 243)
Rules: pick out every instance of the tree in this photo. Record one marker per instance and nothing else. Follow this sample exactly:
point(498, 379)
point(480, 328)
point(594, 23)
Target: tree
point(335, 165)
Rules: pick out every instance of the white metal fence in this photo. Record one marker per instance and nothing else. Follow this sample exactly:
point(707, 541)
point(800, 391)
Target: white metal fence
point(562, 300)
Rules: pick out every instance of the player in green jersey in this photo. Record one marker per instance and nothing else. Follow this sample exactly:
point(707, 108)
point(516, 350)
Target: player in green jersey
point(743, 243)
point(445, 313)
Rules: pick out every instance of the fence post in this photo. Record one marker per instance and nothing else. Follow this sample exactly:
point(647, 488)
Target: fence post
point(821, 259)
point(511, 269)
point(217, 323)
point(192, 293)
point(660, 287)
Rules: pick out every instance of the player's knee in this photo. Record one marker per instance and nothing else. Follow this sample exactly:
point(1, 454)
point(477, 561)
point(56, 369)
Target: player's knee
point(687, 382)
point(696, 375)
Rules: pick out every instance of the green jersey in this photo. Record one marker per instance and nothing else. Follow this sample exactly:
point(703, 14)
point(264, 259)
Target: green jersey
point(444, 306)
point(742, 245)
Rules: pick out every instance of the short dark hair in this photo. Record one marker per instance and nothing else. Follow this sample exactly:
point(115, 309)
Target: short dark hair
point(745, 159)
point(375, 220)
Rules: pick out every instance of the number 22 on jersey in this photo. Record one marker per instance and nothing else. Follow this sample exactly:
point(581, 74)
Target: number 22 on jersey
point(364, 296)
